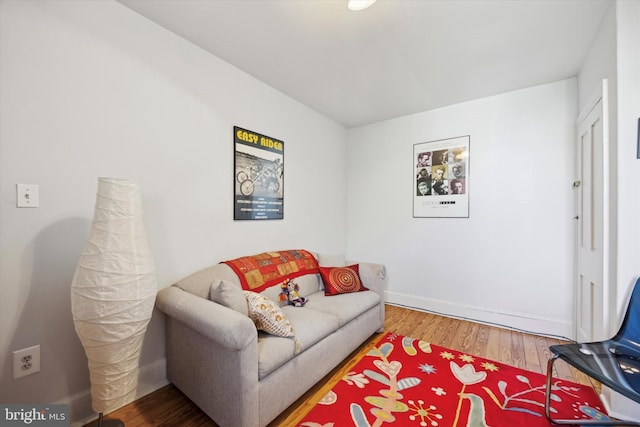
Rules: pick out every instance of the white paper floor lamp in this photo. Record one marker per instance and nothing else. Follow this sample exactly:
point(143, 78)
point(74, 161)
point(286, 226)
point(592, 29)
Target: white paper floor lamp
point(113, 293)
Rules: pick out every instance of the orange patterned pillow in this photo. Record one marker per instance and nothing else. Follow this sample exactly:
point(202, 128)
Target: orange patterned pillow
point(341, 280)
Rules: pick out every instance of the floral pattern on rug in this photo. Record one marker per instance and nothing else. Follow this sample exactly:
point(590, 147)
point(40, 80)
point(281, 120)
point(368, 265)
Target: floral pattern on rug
point(411, 382)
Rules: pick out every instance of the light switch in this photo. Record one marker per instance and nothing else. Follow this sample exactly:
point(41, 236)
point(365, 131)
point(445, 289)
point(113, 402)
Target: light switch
point(27, 196)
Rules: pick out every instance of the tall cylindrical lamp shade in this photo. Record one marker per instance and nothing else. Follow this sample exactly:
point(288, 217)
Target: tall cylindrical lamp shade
point(113, 293)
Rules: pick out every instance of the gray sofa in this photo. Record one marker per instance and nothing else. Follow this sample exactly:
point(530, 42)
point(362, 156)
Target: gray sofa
point(243, 377)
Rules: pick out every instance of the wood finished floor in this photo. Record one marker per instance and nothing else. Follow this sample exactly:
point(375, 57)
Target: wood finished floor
point(169, 407)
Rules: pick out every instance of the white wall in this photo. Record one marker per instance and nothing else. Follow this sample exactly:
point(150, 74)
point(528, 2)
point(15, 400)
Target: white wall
point(92, 89)
point(627, 235)
point(511, 261)
point(628, 165)
point(614, 56)
point(600, 62)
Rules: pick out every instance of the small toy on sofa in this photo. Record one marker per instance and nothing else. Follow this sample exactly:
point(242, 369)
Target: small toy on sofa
point(290, 294)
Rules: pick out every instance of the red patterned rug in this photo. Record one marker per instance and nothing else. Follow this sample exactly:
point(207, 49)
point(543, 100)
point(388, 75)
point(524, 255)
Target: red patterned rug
point(409, 382)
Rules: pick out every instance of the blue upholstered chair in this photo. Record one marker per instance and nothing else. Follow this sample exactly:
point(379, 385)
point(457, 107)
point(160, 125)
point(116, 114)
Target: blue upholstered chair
point(615, 363)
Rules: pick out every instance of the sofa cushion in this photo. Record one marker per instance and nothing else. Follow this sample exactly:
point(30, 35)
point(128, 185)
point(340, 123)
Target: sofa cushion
point(273, 352)
point(341, 280)
point(199, 283)
point(267, 315)
point(273, 293)
point(309, 284)
point(344, 307)
point(331, 260)
point(230, 295)
point(311, 326)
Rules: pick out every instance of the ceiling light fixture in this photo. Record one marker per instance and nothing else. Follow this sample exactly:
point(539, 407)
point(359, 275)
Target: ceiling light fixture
point(360, 4)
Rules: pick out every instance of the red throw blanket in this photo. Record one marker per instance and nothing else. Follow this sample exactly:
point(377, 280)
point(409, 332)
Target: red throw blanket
point(258, 272)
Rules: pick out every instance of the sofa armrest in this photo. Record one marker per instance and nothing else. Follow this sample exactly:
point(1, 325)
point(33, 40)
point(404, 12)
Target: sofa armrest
point(220, 324)
point(212, 356)
point(373, 276)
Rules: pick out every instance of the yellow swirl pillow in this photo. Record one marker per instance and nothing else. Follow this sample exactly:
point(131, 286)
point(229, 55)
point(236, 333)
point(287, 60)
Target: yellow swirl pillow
point(267, 315)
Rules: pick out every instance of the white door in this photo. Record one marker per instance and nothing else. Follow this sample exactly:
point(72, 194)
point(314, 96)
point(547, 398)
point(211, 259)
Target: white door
point(592, 292)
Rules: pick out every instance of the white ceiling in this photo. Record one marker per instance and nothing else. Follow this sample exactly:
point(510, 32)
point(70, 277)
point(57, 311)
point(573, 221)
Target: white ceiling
point(396, 58)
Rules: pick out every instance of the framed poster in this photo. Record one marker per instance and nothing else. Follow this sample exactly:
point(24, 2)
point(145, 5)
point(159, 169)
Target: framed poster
point(258, 176)
point(441, 178)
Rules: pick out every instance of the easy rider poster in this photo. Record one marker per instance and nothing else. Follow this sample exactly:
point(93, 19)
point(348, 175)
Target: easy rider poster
point(259, 176)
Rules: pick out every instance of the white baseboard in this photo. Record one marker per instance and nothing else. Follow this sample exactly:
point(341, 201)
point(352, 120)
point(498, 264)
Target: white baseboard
point(150, 378)
point(620, 407)
point(511, 320)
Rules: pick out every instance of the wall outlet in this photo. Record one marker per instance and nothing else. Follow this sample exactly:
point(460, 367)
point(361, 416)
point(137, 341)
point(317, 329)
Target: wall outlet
point(26, 361)
point(27, 196)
